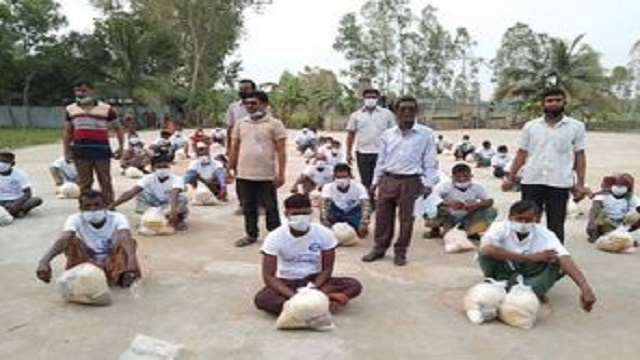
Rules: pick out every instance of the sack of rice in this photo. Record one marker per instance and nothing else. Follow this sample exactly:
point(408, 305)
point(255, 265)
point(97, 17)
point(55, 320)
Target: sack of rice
point(202, 196)
point(85, 284)
point(133, 173)
point(483, 300)
point(68, 190)
point(345, 234)
point(154, 222)
point(180, 154)
point(5, 217)
point(617, 241)
point(520, 307)
point(307, 309)
point(147, 348)
point(455, 241)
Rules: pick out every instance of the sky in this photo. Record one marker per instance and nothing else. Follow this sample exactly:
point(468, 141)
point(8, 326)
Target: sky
point(289, 34)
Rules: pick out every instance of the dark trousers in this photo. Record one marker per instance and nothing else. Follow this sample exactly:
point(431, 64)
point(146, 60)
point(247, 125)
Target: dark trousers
point(102, 169)
point(251, 193)
point(395, 193)
point(551, 200)
point(271, 301)
point(366, 166)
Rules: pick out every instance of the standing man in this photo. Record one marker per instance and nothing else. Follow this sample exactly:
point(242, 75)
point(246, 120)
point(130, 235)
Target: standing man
point(257, 144)
point(86, 138)
point(551, 151)
point(368, 124)
point(236, 110)
point(406, 169)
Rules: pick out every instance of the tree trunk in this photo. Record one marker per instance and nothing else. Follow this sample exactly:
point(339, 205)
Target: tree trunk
point(25, 98)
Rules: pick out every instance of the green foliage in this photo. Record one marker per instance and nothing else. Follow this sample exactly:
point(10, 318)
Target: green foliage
point(15, 138)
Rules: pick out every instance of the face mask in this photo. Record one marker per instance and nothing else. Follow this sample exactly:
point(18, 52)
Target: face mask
point(257, 115)
point(320, 165)
point(370, 103)
point(4, 167)
point(94, 217)
point(554, 111)
point(300, 222)
point(462, 185)
point(204, 159)
point(618, 190)
point(343, 183)
point(83, 99)
point(163, 173)
point(521, 228)
point(502, 154)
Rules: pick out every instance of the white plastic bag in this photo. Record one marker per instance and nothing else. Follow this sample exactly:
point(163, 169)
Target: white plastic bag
point(483, 300)
point(202, 196)
point(520, 307)
point(133, 172)
point(5, 217)
point(154, 222)
point(427, 206)
point(617, 241)
point(455, 241)
point(308, 154)
point(345, 234)
point(68, 190)
point(180, 154)
point(307, 309)
point(85, 284)
point(147, 348)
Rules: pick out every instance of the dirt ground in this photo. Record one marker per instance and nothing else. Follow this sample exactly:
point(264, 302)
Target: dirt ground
point(198, 288)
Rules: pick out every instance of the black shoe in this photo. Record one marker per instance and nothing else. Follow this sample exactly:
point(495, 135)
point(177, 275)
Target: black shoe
point(373, 256)
point(400, 260)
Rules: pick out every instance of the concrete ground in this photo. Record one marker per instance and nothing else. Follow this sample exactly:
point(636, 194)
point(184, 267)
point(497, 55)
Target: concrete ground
point(198, 288)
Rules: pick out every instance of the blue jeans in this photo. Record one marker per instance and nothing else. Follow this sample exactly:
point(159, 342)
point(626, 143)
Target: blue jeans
point(352, 217)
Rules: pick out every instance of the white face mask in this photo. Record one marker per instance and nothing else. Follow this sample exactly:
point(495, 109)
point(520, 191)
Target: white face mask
point(522, 228)
point(94, 217)
point(257, 115)
point(370, 103)
point(343, 182)
point(4, 167)
point(163, 173)
point(618, 190)
point(320, 164)
point(462, 185)
point(204, 159)
point(300, 222)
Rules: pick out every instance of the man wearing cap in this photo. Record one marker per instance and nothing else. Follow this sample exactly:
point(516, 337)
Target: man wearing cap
point(15, 188)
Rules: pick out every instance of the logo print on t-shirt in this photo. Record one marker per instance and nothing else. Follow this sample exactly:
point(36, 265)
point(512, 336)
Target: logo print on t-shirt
point(315, 247)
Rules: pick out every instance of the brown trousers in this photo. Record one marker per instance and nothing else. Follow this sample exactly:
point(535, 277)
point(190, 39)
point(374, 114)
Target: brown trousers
point(102, 169)
point(271, 301)
point(114, 265)
point(395, 193)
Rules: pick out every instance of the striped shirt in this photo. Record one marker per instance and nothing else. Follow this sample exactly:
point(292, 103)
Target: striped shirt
point(90, 136)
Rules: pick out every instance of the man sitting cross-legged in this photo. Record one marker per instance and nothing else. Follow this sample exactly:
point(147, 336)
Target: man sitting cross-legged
point(346, 200)
point(98, 236)
point(15, 188)
point(208, 171)
point(298, 253)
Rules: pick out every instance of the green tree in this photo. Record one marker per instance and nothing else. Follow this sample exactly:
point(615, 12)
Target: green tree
point(288, 96)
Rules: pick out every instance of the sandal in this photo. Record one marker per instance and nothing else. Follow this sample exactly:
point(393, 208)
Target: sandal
point(246, 241)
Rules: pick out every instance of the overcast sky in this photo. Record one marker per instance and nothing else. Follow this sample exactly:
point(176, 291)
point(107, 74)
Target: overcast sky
point(290, 34)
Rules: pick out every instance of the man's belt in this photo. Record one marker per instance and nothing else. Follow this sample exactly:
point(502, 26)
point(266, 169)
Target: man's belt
point(401, 176)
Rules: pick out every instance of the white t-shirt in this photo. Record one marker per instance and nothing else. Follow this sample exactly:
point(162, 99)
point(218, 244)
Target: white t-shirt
point(178, 140)
point(99, 240)
point(305, 138)
point(474, 193)
point(218, 134)
point(161, 190)
point(300, 257)
point(69, 169)
point(345, 200)
point(501, 160)
point(540, 239)
point(318, 177)
point(13, 185)
point(205, 171)
point(162, 142)
point(485, 153)
point(615, 208)
point(334, 158)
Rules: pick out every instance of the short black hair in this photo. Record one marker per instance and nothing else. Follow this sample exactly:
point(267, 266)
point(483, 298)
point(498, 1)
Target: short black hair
point(370, 91)
point(260, 95)
point(165, 133)
point(554, 91)
point(465, 137)
point(84, 82)
point(254, 87)
point(90, 195)
point(461, 168)
point(486, 143)
point(503, 148)
point(297, 201)
point(160, 158)
point(406, 98)
point(523, 206)
point(341, 167)
point(8, 154)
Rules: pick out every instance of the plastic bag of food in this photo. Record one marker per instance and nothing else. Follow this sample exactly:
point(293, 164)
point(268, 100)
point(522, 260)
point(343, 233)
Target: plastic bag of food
point(202, 196)
point(617, 241)
point(520, 307)
point(307, 309)
point(133, 172)
point(427, 206)
point(147, 348)
point(68, 190)
point(483, 300)
point(5, 217)
point(345, 234)
point(154, 222)
point(85, 284)
point(455, 241)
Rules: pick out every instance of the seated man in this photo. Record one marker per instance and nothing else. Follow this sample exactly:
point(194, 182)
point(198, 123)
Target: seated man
point(501, 162)
point(463, 149)
point(197, 137)
point(135, 155)
point(63, 171)
point(443, 144)
point(162, 146)
point(160, 189)
point(615, 205)
point(210, 172)
point(465, 204)
point(334, 154)
point(521, 246)
point(314, 176)
point(305, 139)
point(346, 200)
point(219, 136)
point(484, 154)
point(15, 189)
point(179, 141)
point(98, 236)
point(297, 253)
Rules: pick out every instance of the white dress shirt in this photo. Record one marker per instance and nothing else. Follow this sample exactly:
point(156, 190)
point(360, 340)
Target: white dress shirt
point(551, 151)
point(369, 126)
point(412, 153)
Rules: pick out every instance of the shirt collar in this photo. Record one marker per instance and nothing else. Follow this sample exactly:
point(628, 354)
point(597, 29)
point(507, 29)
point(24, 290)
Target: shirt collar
point(413, 128)
point(366, 109)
